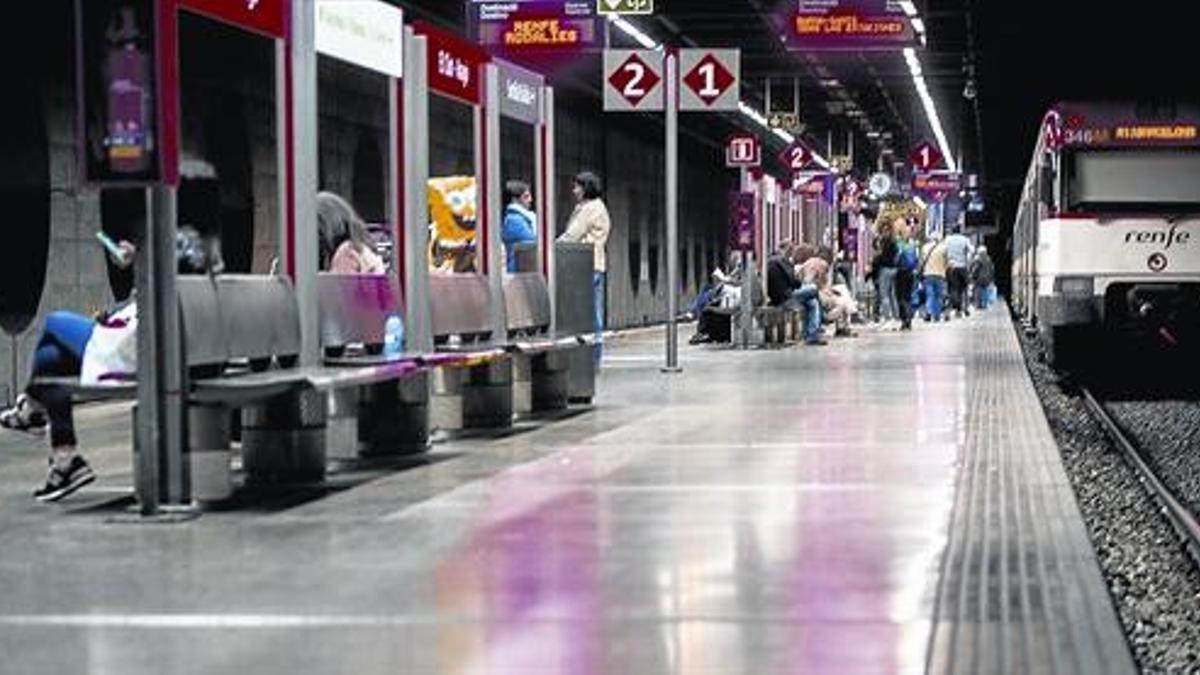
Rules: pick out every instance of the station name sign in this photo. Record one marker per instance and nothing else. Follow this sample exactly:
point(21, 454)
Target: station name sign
point(520, 92)
point(535, 26)
point(366, 33)
point(454, 65)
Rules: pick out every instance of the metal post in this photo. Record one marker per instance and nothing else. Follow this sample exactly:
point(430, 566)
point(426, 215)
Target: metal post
point(304, 186)
point(15, 364)
point(746, 306)
point(549, 203)
point(492, 218)
point(418, 319)
point(672, 105)
point(162, 470)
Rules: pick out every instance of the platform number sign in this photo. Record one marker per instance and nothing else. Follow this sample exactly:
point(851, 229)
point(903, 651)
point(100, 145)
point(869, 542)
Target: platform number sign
point(926, 157)
point(796, 157)
point(633, 80)
point(743, 150)
point(710, 79)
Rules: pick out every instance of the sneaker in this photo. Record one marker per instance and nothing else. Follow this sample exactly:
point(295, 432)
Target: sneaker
point(845, 333)
point(24, 416)
point(818, 342)
point(60, 482)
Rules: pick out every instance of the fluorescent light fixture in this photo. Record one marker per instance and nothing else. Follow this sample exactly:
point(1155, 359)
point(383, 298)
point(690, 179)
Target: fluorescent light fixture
point(909, 8)
point(831, 83)
point(931, 113)
point(918, 25)
point(873, 134)
point(919, 202)
point(633, 32)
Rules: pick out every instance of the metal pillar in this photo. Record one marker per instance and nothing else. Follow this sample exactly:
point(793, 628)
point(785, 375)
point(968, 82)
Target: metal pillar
point(491, 218)
point(672, 150)
point(415, 236)
point(546, 200)
point(163, 481)
point(304, 184)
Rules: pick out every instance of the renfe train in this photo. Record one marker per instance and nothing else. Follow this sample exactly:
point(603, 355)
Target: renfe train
point(1107, 236)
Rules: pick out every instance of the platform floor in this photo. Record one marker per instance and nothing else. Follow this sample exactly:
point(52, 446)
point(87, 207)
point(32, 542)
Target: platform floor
point(890, 504)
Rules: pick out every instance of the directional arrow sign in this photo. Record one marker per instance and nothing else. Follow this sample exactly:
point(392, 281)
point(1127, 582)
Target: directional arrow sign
point(926, 157)
point(710, 80)
point(796, 157)
point(633, 80)
point(625, 6)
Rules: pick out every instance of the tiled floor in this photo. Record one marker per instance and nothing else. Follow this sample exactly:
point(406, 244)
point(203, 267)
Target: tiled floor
point(764, 511)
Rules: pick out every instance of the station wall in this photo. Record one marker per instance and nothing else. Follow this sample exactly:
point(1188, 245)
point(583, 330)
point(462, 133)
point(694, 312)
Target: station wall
point(228, 122)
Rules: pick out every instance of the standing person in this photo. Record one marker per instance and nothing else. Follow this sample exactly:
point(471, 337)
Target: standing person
point(884, 267)
point(907, 262)
point(958, 264)
point(519, 220)
point(343, 246)
point(934, 265)
point(590, 224)
point(983, 274)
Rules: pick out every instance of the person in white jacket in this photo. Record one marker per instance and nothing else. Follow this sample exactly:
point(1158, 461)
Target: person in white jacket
point(590, 224)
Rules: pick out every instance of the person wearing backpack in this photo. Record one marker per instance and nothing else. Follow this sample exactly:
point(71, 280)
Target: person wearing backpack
point(907, 262)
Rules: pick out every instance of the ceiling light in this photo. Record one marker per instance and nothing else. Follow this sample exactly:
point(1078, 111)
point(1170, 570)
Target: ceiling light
point(909, 8)
point(931, 113)
point(918, 25)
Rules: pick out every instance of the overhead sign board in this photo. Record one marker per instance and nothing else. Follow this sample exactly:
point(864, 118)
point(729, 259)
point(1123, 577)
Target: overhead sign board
point(710, 79)
point(621, 7)
point(842, 163)
point(455, 65)
point(743, 149)
point(788, 121)
point(926, 157)
point(796, 157)
point(267, 17)
point(519, 27)
point(366, 33)
point(848, 25)
point(520, 92)
point(633, 80)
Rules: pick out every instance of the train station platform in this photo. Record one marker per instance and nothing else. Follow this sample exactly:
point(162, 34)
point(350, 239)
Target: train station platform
point(890, 504)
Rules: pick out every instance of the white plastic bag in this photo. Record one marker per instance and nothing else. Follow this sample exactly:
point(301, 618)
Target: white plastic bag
point(111, 353)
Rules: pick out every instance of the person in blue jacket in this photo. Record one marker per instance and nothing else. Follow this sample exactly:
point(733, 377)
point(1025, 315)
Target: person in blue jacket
point(519, 220)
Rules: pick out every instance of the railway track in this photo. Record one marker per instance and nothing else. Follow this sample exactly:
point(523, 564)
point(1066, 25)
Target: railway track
point(1182, 519)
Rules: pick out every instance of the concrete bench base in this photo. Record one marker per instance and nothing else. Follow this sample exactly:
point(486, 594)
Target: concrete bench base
point(283, 439)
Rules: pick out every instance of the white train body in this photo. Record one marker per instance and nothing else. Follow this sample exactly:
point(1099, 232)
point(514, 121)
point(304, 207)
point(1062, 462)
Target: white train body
point(1108, 229)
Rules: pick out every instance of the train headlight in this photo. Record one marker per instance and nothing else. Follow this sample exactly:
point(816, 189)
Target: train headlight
point(1076, 286)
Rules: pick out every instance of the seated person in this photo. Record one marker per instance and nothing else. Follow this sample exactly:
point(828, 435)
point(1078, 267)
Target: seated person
point(343, 245)
point(839, 307)
point(811, 272)
point(98, 350)
point(519, 220)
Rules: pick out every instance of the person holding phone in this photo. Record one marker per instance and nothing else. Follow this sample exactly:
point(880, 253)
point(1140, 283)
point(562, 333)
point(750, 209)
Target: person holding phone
point(100, 349)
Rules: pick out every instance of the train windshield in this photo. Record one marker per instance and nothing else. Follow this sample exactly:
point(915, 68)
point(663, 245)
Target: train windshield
point(1133, 181)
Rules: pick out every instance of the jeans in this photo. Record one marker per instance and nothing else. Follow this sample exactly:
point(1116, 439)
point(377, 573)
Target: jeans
point(935, 288)
point(888, 307)
point(809, 299)
point(598, 313)
point(59, 351)
point(958, 281)
point(906, 283)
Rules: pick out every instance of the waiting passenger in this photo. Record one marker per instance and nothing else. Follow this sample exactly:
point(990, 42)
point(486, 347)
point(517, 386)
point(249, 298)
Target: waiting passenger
point(837, 305)
point(884, 267)
point(343, 245)
point(958, 263)
point(811, 273)
point(933, 275)
point(99, 350)
point(519, 220)
point(907, 264)
point(590, 224)
point(983, 275)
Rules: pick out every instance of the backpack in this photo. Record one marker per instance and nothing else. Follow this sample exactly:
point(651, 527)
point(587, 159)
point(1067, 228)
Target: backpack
point(907, 257)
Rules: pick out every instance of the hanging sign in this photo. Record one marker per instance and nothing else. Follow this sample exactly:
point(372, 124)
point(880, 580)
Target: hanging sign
point(633, 80)
point(741, 221)
point(623, 7)
point(521, 27)
point(267, 17)
point(848, 25)
point(743, 149)
point(710, 79)
point(520, 92)
point(366, 33)
point(455, 65)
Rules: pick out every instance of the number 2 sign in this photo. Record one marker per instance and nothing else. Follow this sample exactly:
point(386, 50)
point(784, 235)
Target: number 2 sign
point(633, 80)
point(796, 157)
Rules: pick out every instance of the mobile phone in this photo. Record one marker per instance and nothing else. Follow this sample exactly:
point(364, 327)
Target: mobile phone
point(111, 246)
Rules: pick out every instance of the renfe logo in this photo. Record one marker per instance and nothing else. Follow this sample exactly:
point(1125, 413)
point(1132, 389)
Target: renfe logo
point(520, 92)
point(1167, 238)
point(454, 68)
